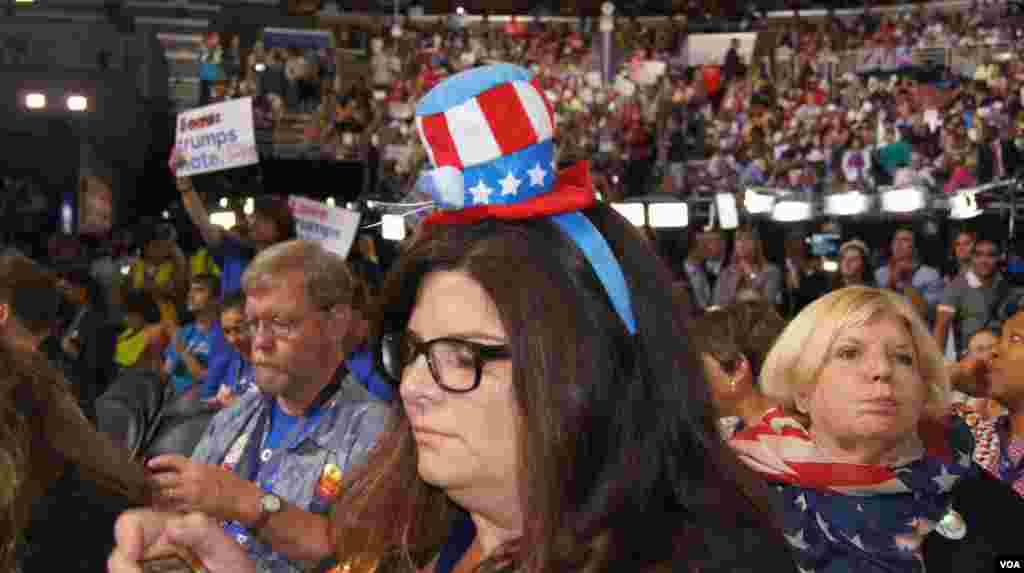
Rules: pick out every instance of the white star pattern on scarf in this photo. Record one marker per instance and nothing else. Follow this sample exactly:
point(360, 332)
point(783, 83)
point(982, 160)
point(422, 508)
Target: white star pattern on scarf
point(824, 528)
point(855, 540)
point(510, 185)
point(481, 193)
point(797, 540)
point(945, 480)
point(537, 175)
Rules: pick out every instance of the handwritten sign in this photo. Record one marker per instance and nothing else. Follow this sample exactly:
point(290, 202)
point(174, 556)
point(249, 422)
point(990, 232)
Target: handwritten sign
point(333, 227)
point(215, 138)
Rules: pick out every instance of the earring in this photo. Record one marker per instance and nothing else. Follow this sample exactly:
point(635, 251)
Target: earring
point(732, 383)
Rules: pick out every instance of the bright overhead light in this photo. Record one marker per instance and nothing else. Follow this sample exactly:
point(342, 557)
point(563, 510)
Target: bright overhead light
point(668, 215)
point(757, 203)
point(728, 215)
point(903, 200)
point(635, 213)
point(35, 101)
point(24, 1)
point(964, 205)
point(392, 227)
point(792, 211)
point(460, 11)
point(844, 204)
point(223, 219)
point(77, 103)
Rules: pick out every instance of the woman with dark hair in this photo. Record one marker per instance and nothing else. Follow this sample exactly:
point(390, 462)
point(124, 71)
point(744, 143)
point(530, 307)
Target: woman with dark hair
point(749, 275)
point(733, 342)
point(551, 416)
point(51, 460)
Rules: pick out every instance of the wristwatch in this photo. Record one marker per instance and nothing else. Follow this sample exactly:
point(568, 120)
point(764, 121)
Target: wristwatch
point(269, 505)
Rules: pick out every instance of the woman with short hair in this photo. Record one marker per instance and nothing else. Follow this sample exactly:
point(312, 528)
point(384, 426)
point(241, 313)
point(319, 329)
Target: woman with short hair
point(881, 478)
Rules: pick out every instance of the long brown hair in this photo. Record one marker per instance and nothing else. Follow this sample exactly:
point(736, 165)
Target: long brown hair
point(42, 428)
point(620, 469)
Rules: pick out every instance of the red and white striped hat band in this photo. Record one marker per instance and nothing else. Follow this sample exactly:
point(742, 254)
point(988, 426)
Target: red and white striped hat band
point(496, 122)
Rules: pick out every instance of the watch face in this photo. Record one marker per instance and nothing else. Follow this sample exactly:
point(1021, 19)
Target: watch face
point(271, 503)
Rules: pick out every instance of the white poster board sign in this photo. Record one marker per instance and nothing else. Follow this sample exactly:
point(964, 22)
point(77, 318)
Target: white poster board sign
point(333, 227)
point(707, 49)
point(215, 138)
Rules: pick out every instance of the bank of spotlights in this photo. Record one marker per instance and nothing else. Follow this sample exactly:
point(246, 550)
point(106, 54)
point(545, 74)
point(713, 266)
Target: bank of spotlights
point(36, 101)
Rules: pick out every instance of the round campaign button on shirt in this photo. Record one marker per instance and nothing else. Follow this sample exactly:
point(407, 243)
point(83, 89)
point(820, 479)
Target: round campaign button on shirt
point(242, 539)
point(265, 454)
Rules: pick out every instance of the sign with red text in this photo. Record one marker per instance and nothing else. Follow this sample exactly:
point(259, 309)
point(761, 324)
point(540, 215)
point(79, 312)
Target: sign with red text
point(333, 227)
point(215, 138)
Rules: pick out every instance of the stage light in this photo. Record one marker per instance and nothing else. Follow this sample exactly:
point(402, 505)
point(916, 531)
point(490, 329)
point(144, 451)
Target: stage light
point(224, 219)
point(330, 202)
point(845, 204)
point(77, 103)
point(460, 11)
point(635, 213)
point(964, 205)
point(35, 101)
point(905, 200)
point(757, 203)
point(392, 227)
point(223, 202)
point(792, 211)
point(668, 215)
point(728, 215)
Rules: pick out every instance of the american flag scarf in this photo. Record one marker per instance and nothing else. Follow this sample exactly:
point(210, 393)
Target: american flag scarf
point(839, 516)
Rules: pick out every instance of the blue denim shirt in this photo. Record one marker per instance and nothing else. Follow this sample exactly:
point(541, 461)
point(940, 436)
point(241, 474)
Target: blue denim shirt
point(307, 474)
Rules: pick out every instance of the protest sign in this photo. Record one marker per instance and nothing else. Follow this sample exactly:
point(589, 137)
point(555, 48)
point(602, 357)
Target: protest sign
point(333, 227)
point(215, 138)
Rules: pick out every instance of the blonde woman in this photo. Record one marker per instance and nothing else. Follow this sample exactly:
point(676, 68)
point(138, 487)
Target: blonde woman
point(881, 478)
point(750, 276)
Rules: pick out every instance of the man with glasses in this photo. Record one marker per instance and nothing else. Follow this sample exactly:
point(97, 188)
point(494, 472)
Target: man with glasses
point(270, 466)
point(976, 298)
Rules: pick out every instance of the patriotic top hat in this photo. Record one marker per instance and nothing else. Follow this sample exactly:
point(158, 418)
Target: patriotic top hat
point(489, 133)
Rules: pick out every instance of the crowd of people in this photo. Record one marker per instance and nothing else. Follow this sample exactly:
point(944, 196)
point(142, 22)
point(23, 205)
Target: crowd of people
point(534, 386)
point(838, 102)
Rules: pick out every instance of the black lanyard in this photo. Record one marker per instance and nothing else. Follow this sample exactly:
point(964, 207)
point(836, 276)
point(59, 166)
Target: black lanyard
point(250, 463)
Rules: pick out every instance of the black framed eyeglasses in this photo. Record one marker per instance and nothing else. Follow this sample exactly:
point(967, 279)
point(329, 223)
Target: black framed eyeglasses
point(455, 364)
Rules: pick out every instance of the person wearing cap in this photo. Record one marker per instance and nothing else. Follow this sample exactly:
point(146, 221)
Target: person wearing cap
point(548, 411)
